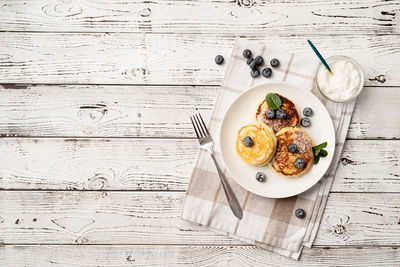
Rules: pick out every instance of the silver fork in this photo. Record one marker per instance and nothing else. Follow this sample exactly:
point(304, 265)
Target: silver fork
point(207, 144)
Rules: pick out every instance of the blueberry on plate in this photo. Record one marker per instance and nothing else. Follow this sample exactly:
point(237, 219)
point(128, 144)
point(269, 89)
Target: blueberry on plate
point(253, 64)
point(307, 112)
point(247, 141)
point(255, 73)
point(270, 114)
point(247, 53)
point(275, 63)
point(300, 213)
point(292, 148)
point(259, 60)
point(249, 60)
point(299, 163)
point(281, 114)
point(219, 59)
point(261, 177)
point(267, 72)
point(305, 122)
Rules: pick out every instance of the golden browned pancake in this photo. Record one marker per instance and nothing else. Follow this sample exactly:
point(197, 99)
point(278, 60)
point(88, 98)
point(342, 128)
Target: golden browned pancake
point(283, 162)
point(292, 117)
point(264, 144)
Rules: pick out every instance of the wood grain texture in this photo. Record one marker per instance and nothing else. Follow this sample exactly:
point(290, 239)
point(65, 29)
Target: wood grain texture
point(360, 219)
point(48, 217)
point(363, 167)
point(125, 58)
point(207, 16)
point(162, 164)
point(151, 111)
point(372, 101)
point(141, 43)
point(84, 255)
point(96, 164)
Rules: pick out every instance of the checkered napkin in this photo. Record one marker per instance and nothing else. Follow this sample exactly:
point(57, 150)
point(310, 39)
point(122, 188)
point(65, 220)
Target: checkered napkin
point(267, 223)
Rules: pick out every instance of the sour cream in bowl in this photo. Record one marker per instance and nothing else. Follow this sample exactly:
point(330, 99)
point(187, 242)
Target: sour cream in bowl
point(347, 80)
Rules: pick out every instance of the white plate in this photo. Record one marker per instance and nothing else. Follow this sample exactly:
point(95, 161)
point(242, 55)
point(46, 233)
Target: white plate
point(241, 112)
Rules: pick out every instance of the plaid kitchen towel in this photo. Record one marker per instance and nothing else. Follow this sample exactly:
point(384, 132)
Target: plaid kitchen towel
point(267, 223)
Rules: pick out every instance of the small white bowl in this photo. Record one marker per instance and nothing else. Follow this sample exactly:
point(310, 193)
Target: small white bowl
point(358, 68)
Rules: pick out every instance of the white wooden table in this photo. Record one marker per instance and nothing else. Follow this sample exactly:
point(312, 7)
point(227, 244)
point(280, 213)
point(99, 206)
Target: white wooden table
point(96, 146)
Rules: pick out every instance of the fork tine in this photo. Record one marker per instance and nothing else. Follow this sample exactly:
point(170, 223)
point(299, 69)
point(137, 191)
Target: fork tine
point(205, 127)
point(197, 121)
point(201, 126)
point(194, 127)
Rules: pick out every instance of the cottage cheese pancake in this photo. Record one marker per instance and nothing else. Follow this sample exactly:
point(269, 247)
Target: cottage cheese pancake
point(292, 117)
point(284, 160)
point(256, 144)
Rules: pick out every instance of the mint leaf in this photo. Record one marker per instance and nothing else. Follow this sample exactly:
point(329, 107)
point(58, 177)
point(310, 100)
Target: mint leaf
point(323, 145)
point(319, 151)
point(323, 153)
point(274, 102)
point(316, 159)
point(316, 150)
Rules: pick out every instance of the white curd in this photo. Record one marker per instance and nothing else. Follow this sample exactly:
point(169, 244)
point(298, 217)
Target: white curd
point(343, 84)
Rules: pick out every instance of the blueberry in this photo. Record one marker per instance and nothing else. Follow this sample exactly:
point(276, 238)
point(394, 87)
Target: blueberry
point(270, 114)
point(307, 112)
point(275, 63)
point(259, 60)
point(292, 148)
point(261, 177)
point(299, 163)
point(267, 72)
point(247, 141)
point(281, 114)
point(305, 122)
point(253, 64)
point(247, 53)
point(249, 61)
point(300, 213)
point(219, 59)
point(255, 73)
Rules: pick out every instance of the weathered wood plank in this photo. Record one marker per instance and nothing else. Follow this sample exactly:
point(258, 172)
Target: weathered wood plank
point(360, 219)
point(95, 164)
point(49, 217)
point(125, 58)
point(372, 101)
point(151, 111)
point(162, 164)
point(191, 256)
point(364, 167)
point(211, 16)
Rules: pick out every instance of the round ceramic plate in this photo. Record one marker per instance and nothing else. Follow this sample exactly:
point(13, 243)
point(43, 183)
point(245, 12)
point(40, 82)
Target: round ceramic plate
point(242, 111)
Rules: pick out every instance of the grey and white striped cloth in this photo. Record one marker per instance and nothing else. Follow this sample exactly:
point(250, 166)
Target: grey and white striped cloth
point(267, 223)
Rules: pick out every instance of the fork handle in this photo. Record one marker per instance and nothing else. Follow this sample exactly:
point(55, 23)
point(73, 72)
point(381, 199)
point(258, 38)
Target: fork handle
point(232, 200)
